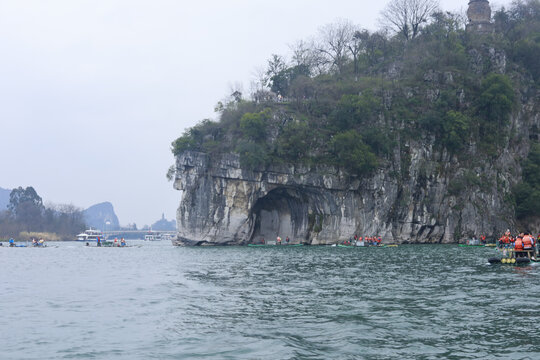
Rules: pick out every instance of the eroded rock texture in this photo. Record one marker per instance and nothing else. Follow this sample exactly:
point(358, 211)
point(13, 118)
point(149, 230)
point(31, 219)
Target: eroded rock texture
point(419, 194)
point(224, 204)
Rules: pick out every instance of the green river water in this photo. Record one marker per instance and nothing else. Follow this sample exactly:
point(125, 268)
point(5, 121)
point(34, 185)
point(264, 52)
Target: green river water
point(156, 301)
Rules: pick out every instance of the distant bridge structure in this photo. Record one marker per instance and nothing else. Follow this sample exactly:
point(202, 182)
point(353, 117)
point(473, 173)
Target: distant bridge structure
point(139, 234)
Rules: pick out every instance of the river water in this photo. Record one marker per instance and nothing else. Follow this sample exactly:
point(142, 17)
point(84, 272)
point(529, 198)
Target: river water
point(156, 301)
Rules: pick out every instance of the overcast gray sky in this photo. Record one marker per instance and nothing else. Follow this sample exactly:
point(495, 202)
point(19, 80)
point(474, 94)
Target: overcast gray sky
point(93, 92)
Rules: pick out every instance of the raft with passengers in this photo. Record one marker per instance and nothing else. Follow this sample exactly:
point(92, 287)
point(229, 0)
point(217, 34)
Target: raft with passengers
point(277, 242)
point(35, 243)
point(517, 250)
point(359, 241)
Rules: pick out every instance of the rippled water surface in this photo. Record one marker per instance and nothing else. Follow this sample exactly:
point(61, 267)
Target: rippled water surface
point(158, 301)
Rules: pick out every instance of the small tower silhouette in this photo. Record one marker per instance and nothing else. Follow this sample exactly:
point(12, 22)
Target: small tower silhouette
point(479, 15)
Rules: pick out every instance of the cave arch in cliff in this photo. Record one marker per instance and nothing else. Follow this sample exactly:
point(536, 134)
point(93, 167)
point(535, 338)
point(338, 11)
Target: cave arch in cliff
point(282, 212)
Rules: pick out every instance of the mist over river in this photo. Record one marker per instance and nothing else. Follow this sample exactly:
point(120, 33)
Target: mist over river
point(156, 301)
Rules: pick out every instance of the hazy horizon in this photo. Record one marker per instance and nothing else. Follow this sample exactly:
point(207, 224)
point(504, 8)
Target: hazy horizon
point(94, 92)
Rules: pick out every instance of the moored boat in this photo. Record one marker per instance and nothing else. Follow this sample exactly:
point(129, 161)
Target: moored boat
point(474, 242)
point(90, 235)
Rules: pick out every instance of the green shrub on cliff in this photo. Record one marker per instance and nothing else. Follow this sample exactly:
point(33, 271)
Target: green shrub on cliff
point(456, 130)
point(494, 104)
point(295, 141)
point(253, 125)
point(527, 51)
point(353, 154)
point(253, 156)
point(527, 193)
point(354, 110)
point(184, 143)
point(520, 25)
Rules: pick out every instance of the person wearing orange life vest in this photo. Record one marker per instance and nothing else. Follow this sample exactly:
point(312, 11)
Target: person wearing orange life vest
point(504, 241)
point(513, 240)
point(527, 242)
point(518, 246)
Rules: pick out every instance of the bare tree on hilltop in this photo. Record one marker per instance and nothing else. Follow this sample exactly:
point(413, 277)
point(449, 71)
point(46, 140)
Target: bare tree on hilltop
point(334, 42)
point(406, 17)
point(356, 46)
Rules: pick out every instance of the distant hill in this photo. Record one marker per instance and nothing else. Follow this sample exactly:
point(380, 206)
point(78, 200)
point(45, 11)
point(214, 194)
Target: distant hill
point(98, 215)
point(4, 198)
point(164, 225)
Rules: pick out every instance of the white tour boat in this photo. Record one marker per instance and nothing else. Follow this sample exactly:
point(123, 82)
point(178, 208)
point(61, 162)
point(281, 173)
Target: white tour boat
point(90, 235)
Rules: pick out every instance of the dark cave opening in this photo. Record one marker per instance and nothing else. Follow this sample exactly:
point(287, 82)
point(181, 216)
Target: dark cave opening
point(282, 212)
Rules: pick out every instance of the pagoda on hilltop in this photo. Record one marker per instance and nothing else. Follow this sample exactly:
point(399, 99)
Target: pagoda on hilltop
point(479, 14)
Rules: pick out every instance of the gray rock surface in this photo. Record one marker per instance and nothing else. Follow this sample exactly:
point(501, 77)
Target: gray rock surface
point(418, 195)
point(436, 200)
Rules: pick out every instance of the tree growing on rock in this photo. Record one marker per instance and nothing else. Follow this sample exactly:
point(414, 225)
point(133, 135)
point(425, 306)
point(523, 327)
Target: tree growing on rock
point(334, 43)
point(406, 17)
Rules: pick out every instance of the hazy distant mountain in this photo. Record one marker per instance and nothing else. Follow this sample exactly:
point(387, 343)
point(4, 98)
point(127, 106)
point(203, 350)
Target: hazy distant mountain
point(4, 198)
point(98, 215)
point(164, 225)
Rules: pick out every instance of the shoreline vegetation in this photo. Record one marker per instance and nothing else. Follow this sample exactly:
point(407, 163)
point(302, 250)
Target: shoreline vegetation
point(27, 217)
point(47, 236)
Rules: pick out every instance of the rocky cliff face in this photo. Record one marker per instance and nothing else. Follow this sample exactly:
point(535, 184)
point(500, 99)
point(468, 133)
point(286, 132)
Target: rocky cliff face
point(436, 201)
point(420, 195)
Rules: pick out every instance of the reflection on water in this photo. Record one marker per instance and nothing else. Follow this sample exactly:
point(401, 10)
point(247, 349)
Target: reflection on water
point(158, 301)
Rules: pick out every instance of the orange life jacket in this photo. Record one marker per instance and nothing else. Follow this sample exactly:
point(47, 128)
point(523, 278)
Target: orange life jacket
point(527, 242)
point(519, 245)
